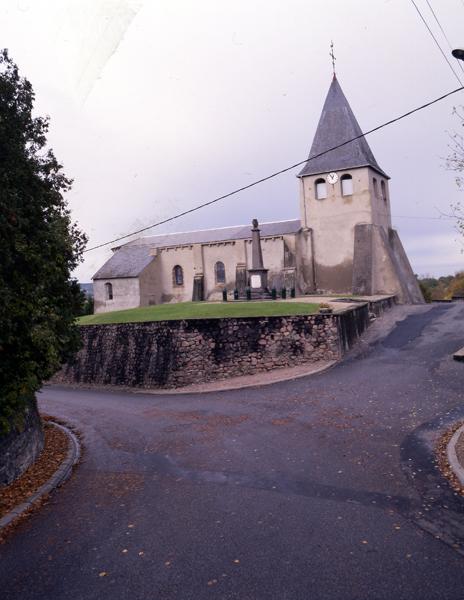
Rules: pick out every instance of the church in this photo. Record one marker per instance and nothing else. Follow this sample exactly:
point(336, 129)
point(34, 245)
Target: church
point(342, 243)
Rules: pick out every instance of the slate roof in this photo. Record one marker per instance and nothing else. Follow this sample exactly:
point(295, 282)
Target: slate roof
point(338, 124)
point(222, 234)
point(132, 258)
point(125, 262)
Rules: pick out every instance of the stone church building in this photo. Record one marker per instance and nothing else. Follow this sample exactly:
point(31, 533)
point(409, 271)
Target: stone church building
point(343, 241)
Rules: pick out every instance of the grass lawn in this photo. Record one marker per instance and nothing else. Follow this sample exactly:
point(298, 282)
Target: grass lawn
point(201, 310)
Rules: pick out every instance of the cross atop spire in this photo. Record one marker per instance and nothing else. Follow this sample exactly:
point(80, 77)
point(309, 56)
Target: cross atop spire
point(332, 55)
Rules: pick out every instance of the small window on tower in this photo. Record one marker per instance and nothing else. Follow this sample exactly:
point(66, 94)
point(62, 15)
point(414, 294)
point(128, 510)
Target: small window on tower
point(321, 189)
point(347, 185)
point(376, 188)
point(108, 291)
point(383, 189)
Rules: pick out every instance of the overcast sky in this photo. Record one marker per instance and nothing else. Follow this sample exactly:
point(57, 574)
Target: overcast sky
point(159, 105)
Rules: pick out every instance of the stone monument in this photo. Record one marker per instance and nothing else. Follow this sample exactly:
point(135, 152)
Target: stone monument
point(257, 275)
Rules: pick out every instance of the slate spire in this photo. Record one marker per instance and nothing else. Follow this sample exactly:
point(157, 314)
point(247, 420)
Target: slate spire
point(338, 124)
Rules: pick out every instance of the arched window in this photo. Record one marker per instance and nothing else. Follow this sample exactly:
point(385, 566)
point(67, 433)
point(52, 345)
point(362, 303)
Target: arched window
point(347, 185)
point(220, 272)
point(376, 187)
point(178, 275)
point(109, 291)
point(383, 189)
point(321, 189)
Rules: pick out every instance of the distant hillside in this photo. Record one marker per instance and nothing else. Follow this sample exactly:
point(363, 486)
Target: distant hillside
point(87, 288)
point(443, 288)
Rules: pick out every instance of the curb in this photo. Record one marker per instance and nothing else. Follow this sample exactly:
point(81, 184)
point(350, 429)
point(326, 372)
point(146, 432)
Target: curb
point(58, 477)
point(459, 355)
point(455, 465)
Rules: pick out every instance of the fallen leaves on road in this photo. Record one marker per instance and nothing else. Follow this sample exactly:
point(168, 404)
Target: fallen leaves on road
point(283, 421)
point(116, 486)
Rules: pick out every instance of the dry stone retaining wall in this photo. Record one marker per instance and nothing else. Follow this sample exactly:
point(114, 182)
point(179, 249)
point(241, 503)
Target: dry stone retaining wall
point(169, 354)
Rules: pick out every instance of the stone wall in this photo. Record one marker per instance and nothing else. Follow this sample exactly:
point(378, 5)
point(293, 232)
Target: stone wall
point(169, 354)
point(351, 325)
point(21, 446)
point(378, 307)
point(177, 353)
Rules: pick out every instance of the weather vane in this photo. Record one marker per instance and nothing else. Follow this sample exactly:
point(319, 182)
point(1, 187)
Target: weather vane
point(332, 55)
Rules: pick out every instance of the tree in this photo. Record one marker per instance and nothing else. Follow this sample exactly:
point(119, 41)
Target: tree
point(39, 248)
point(443, 288)
point(456, 286)
point(455, 162)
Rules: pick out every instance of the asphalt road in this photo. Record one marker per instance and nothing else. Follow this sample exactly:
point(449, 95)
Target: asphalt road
point(323, 487)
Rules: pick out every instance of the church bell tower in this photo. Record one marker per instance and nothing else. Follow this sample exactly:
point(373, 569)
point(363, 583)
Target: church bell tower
point(345, 204)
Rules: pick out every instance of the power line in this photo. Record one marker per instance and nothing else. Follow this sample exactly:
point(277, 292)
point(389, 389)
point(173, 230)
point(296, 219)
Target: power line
point(445, 218)
point(276, 173)
point(436, 41)
point(444, 34)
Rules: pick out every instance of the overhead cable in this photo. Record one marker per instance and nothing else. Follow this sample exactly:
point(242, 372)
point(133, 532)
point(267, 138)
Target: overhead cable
point(444, 34)
point(436, 41)
point(276, 173)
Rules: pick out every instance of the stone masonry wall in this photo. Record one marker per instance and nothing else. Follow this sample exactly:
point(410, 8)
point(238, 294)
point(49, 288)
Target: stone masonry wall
point(21, 446)
point(176, 353)
point(170, 354)
point(380, 306)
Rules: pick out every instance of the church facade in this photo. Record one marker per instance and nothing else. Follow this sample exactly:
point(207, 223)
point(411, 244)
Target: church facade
point(343, 241)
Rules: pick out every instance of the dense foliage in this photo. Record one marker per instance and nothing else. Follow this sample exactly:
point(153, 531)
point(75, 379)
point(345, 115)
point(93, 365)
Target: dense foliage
point(442, 288)
point(39, 248)
point(87, 307)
